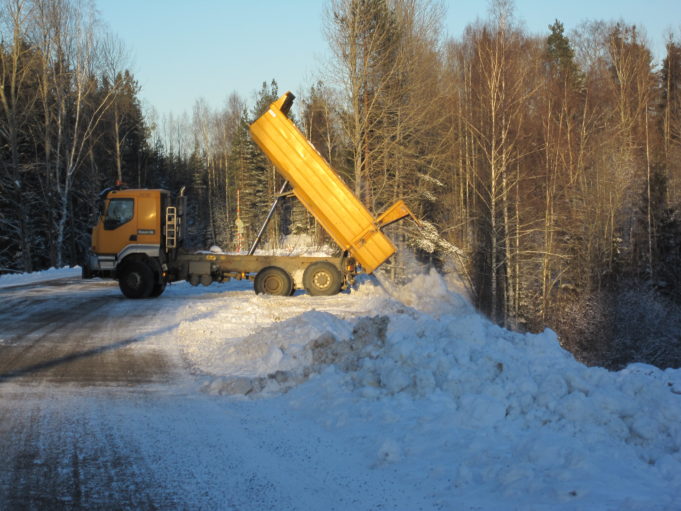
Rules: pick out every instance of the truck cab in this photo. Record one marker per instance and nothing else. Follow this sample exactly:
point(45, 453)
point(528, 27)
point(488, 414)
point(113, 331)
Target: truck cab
point(130, 218)
point(130, 233)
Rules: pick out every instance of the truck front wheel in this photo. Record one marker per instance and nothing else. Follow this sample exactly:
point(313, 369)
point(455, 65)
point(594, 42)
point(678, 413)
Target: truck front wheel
point(273, 281)
point(322, 279)
point(136, 280)
point(157, 289)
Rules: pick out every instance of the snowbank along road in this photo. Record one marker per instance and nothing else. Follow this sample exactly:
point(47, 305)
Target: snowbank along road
point(405, 399)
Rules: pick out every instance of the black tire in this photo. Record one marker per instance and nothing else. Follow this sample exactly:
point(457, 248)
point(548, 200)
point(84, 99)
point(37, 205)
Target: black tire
point(157, 289)
point(273, 281)
point(322, 279)
point(85, 272)
point(136, 280)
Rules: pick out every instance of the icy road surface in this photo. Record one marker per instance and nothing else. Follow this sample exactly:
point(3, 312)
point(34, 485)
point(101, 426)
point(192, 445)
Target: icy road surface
point(98, 410)
point(397, 398)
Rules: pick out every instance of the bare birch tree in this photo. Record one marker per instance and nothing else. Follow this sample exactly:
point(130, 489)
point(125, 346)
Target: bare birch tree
point(72, 69)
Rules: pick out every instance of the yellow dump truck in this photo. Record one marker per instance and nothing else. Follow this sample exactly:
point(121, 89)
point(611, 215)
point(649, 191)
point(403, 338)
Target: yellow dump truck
point(138, 237)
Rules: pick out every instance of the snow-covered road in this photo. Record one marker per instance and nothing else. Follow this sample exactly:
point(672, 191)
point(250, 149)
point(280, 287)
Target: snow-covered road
point(99, 409)
point(398, 399)
point(143, 448)
point(83, 332)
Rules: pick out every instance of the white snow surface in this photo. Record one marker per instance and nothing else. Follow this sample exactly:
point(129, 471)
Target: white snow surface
point(468, 414)
point(21, 279)
point(412, 384)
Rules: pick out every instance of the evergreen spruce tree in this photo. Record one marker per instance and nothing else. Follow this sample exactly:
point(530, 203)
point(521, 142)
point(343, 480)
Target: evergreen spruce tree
point(237, 170)
point(561, 56)
point(259, 179)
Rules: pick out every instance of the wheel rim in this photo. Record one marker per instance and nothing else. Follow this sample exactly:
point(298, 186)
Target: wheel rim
point(321, 280)
point(273, 284)
point(134, 280)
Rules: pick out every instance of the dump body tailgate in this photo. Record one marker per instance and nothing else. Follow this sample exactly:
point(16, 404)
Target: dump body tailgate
point(319, 188)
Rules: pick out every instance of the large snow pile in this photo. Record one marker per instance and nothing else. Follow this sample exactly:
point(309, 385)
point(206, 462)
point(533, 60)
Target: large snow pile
point(474, 416)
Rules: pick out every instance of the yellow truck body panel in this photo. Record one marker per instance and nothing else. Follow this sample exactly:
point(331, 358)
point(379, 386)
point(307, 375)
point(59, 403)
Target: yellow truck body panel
point(129, 217)
point(321, 190)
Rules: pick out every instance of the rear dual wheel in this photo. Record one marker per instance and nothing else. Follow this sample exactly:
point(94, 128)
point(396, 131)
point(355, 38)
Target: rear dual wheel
point(158, 289)
point(273, 281)
point(322, 279)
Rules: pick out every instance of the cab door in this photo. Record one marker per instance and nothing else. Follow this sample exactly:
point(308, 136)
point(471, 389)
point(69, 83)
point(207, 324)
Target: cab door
point(117, 227)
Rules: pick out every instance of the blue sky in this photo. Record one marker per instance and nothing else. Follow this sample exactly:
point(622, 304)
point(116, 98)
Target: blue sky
point(182, 50)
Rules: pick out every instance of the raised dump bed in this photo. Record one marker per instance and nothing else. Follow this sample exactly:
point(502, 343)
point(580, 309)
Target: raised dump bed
point(322, 191)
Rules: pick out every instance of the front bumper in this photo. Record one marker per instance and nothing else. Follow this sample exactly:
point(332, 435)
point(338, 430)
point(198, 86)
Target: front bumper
point(98, 265)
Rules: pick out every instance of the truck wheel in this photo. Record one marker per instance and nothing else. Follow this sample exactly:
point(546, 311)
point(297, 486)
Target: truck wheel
point(158, 289)
point(322, 279)
point(273, 281)
point(136, 280)
point(85, 272)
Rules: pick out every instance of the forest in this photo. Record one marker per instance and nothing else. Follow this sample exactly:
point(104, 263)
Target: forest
point(545, 168)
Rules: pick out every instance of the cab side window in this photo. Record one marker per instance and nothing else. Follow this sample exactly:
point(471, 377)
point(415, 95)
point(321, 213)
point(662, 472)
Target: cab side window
point(119, 212)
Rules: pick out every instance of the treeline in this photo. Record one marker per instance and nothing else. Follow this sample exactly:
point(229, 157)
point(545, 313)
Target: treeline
point(551, 162)
point(545, 167)
point(69, 120)
point(231, 183)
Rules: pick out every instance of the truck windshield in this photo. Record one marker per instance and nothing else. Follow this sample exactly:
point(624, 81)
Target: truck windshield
point(119, 212)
